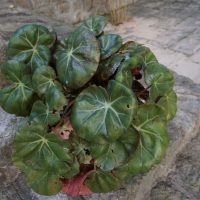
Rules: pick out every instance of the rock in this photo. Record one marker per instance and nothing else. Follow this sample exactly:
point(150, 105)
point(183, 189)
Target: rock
point(8, 127)
point(184, 182)
point(12, 181)
point(71, 11)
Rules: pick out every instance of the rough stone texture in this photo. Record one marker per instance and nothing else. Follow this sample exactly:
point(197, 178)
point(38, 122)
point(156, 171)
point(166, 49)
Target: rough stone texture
point(68, 10)
point(171, 29)
point(177, 177)
point(184, 182)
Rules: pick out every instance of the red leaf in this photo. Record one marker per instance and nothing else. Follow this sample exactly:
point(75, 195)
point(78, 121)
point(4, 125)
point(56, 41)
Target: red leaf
point(75, 186)
point(135, 71)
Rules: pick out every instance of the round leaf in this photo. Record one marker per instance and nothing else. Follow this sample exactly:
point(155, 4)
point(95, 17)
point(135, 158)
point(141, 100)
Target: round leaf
point(143, 54)
point(14, 70)
point(43, 182)
point(44, 79)
point(113, 154)
point(31, 44)
point(160, 79)
point(43, 114)
point(95, 24)
point(17, 98)
point(168, 105)
point(152, 143)
point(77, 58)
point(55, 98)
point(99, 113)
point(124, 74)
point(109, 44)
point(40, 150)
point(46, 86)
point(80, 149)
point(100, 181)
point(108, 67)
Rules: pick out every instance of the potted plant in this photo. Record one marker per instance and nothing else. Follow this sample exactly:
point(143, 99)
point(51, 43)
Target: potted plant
point(97, 108)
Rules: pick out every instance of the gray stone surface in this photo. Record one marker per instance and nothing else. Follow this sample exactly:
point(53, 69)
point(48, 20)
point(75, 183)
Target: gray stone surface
point(8, 126)
point(72, 11)
point(178, 176)
point(184, 182)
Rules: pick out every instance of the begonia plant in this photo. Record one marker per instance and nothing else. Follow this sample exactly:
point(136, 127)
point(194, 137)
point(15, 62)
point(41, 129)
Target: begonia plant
point(97, 108)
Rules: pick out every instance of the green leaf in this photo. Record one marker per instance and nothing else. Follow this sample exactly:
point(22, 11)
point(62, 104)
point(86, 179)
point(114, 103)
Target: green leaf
point(77, 58)
point(131, 48)
point(95, 24)
point(43, 158)
point(99, 113)
point(43, 182)
point(14, 70)
point(74, 169)
point(108, 67)
point(44, 81)
point(113, 154)
point(80, 149)
point(142, 54)
point(152, 143)
point(168, 105)
point(55, 98)
point(100, 181)
point(124, 74)
point(17, 98)
point(160, 79)
point(40, 150)
point(42, 113)
point(31, 44)
point(109, 44)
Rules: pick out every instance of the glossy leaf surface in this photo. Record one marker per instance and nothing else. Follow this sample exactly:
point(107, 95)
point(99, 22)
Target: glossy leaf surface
point(109, 44)
point(113, 154)
point(168, 104)
point(108, 67)
point(142, 54)
point(95, 24)
point(77, 58)
point(31, 44)
point(99, 113)
point(100, 181)
point(160, 79)
point(44, 81)
point(43, 158)
point(14, 70)
point(152, 143)
point(42, 182)
point(41, 150)
point(42, 113)
point(19, 96)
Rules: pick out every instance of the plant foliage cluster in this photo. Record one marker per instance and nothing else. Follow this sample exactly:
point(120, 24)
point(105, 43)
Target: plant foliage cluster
point(97, 107)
